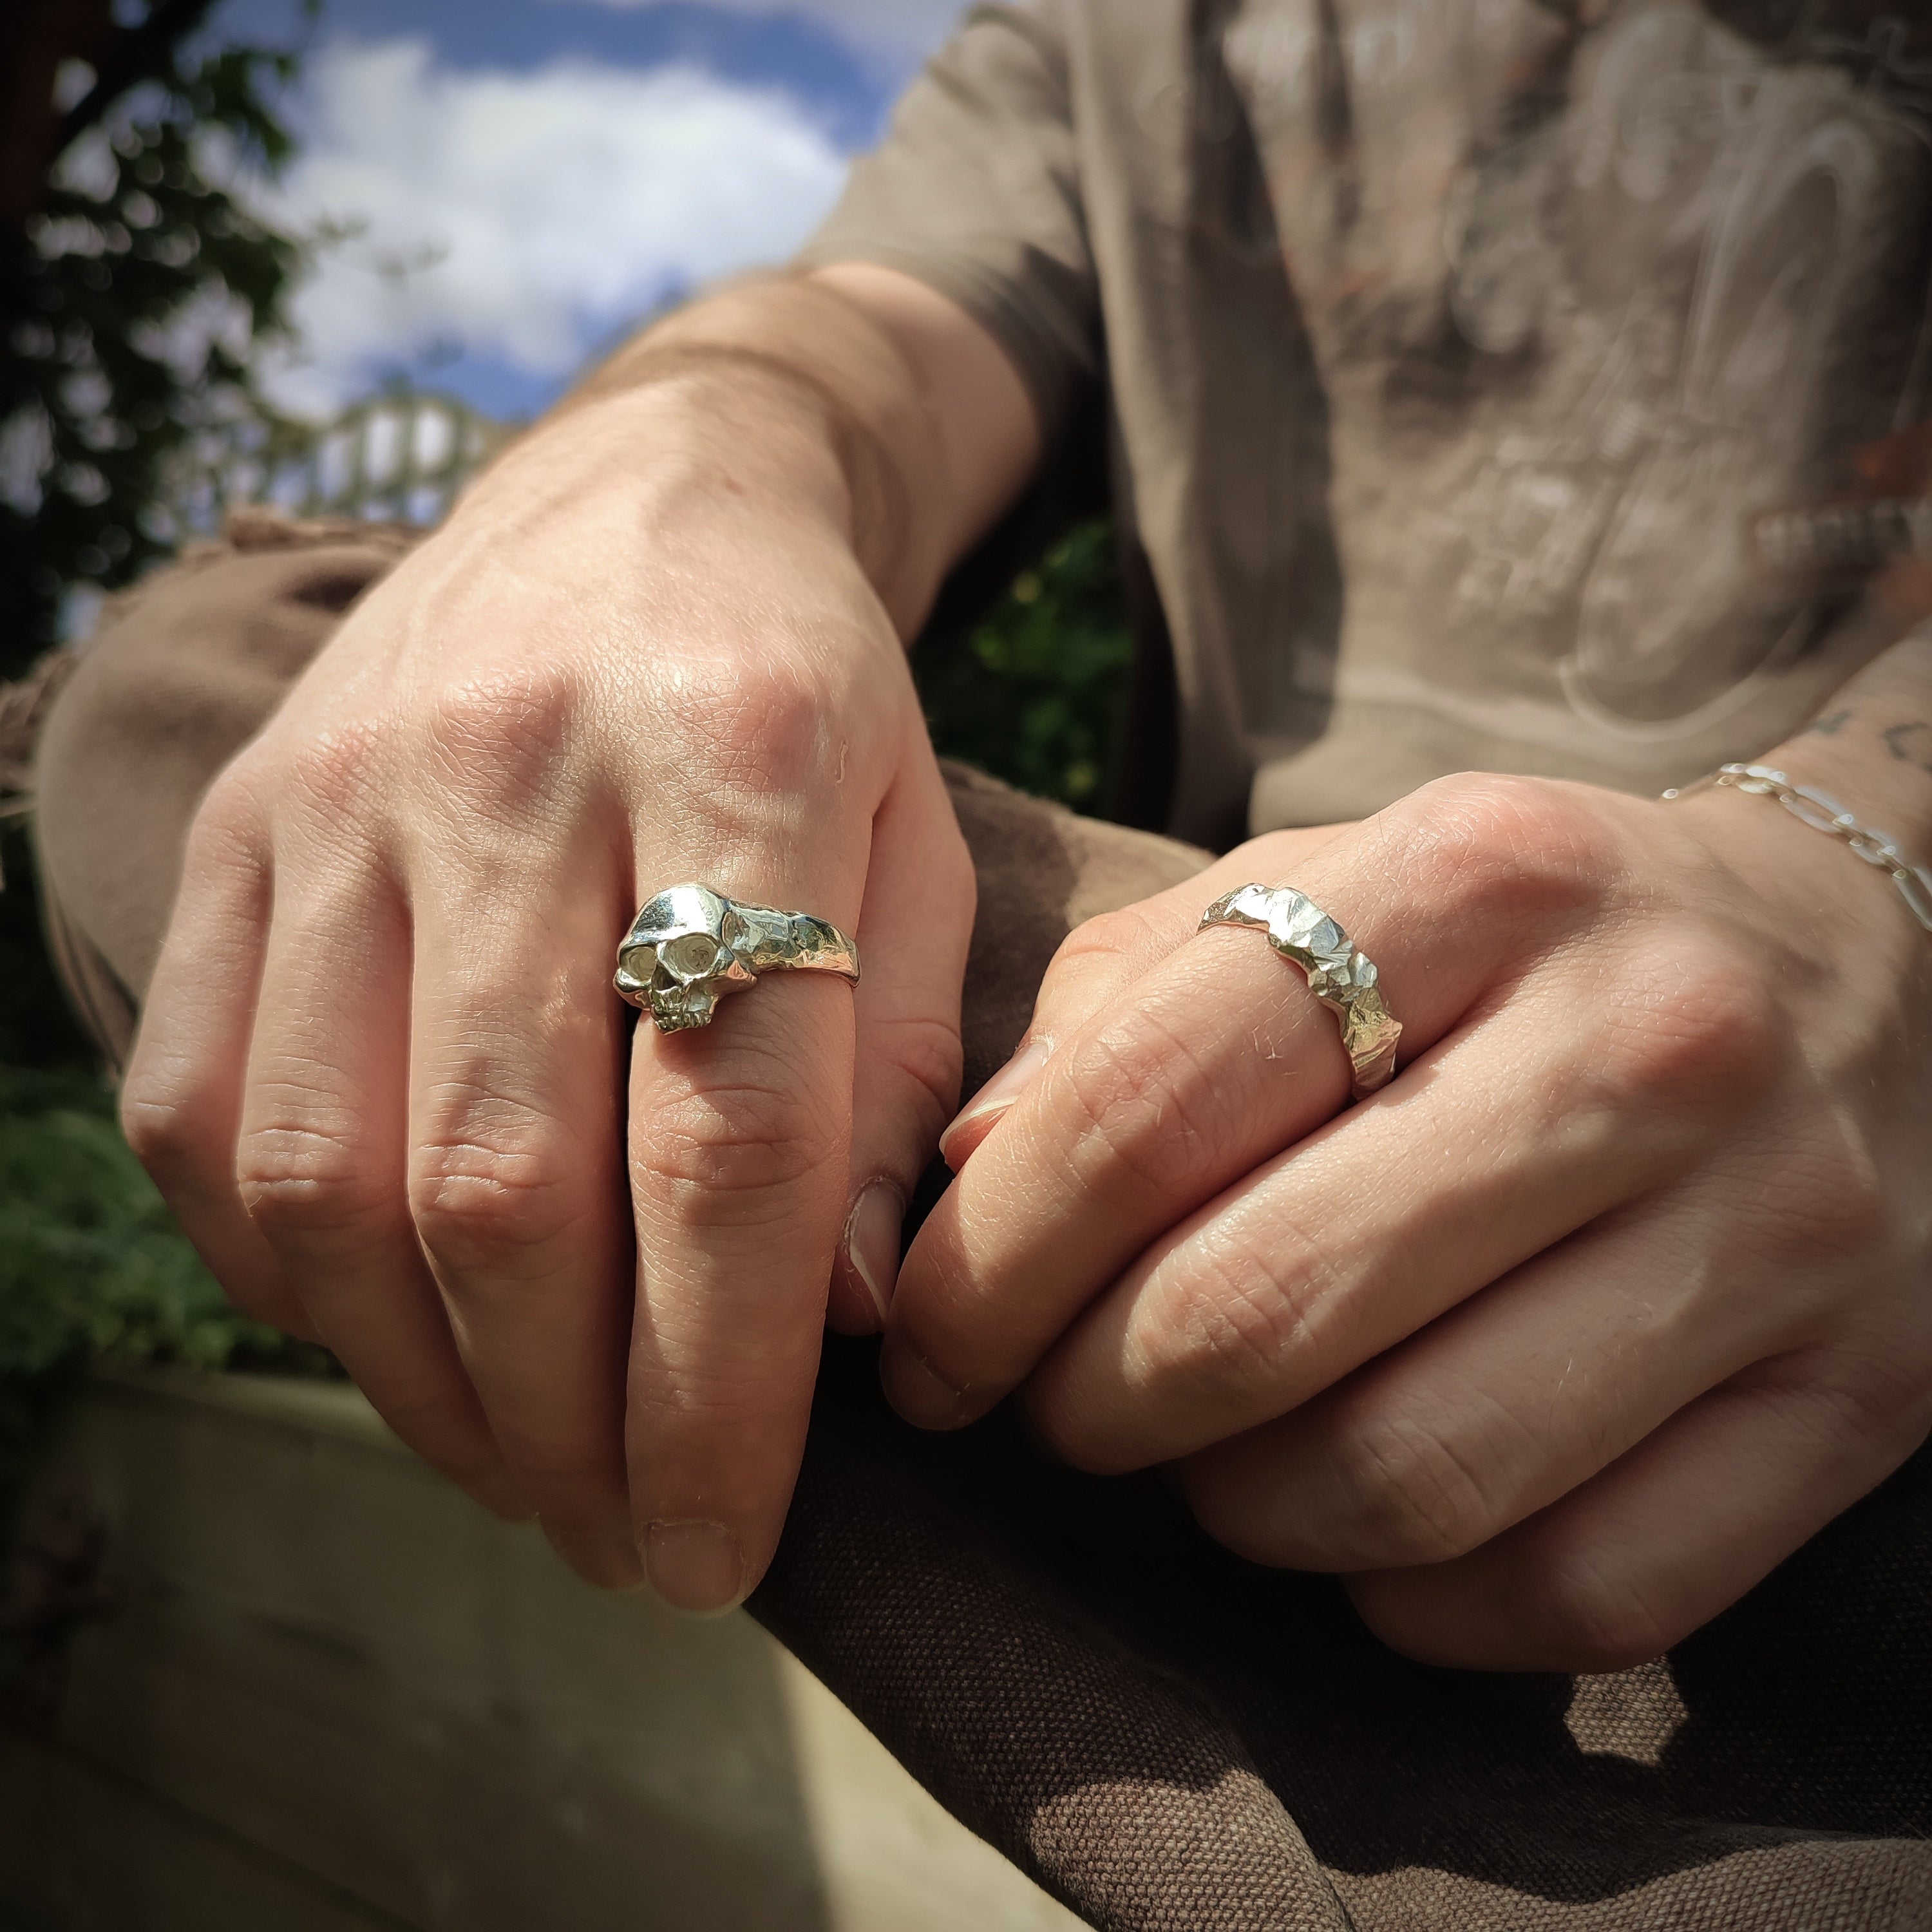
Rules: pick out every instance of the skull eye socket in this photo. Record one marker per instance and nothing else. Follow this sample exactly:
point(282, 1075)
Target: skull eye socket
point(639, 962)
point(690, 954)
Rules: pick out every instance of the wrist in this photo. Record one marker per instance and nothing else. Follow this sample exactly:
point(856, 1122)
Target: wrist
point(1871, 748)
point(1858, 778)
point(732, 443)
point(648, 515)
point(791, 382)
point(694, 437)
point(1812, 891)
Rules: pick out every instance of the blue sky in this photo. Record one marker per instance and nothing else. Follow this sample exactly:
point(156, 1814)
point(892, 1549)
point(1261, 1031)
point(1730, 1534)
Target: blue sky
point(513, 182)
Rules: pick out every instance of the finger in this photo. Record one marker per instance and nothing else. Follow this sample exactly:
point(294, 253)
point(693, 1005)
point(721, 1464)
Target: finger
point(913, 931)
point(320, 1166)
point(739, 1137)
point(516, 1172)
point(1516, 1131)
point(1208, 1064)
point(1098, 961)
point(1498, 1409)
point(180, 1103)
point(1676, 1530)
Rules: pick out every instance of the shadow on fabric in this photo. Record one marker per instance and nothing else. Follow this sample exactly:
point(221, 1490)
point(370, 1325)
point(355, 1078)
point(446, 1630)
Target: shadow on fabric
point(1165, 1735)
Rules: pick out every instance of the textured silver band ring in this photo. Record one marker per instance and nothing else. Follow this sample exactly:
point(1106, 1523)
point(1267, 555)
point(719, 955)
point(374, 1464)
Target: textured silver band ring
point(689, 945)
point(1340, 977)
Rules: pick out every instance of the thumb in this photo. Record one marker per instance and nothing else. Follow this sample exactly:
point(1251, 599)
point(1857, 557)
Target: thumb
point(913, 931)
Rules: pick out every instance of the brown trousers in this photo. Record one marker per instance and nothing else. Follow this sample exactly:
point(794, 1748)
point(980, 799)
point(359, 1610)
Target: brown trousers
point(1167, 1739)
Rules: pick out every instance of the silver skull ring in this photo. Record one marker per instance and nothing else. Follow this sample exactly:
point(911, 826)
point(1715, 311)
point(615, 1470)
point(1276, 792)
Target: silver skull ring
point(690, 946)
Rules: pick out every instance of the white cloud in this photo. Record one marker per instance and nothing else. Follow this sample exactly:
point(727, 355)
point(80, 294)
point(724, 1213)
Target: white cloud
point(526, 216)
point(901, 26)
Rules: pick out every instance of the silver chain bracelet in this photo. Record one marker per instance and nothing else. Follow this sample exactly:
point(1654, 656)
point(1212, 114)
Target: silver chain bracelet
point(1823, 812)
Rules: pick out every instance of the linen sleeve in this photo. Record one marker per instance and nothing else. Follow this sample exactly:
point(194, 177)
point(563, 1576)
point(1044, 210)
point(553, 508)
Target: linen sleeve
point(976, 192)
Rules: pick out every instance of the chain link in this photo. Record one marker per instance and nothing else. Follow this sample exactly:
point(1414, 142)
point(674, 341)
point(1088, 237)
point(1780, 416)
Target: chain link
point(1823, 813)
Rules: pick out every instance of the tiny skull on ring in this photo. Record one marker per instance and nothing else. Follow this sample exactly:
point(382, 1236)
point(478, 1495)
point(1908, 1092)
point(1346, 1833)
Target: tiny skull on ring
point(681, 957)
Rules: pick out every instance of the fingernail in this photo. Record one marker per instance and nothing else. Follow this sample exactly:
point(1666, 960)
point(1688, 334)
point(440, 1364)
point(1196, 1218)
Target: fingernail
point(924, 1397)
point(977, 1119)
point(872, 1242)
point(695, 1566)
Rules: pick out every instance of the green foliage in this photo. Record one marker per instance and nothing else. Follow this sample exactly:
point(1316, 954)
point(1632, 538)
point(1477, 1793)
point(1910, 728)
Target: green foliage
point(77, 1211)
point(1037, 693)
point(92, 1263)
point(130, 304)
point(131, 301)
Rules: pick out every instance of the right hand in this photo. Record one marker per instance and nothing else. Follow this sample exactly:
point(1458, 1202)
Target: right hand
point(381, 1072)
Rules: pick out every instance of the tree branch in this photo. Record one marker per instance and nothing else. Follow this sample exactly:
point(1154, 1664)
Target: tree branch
point(145, 52)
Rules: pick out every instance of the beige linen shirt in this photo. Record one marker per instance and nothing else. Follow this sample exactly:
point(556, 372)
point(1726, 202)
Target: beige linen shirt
point(1491, 384)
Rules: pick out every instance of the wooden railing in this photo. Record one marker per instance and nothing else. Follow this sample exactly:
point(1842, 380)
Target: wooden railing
point(401, 456)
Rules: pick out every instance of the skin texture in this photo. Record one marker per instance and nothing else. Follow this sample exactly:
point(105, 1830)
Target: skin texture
point(381, 1075)
point(1616, 1294)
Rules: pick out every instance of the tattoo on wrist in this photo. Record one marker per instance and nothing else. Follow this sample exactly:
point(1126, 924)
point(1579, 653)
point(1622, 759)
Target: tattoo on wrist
point(1910, 742)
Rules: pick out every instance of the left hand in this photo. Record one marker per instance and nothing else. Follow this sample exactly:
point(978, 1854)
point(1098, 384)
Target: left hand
point(1617, 1294)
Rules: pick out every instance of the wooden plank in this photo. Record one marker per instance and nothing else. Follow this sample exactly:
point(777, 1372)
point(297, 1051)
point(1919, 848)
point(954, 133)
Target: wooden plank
point(323, 1651)
point(80, 1849)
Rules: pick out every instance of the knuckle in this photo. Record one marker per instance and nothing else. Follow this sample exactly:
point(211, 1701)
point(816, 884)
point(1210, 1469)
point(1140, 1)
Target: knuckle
point(1237, 1322)
point(232, 806)
point(505, 736)
point(706, 1155)
point(335, 772)
point(480, 1197)
point(1480, 819)
point(159, 1127)
point(1825, 1206)
point(1106, 939)
point(769, 719)
point(230, 837)
point(1869, 1396)
point(1091, 963)
point(1500, 846)
point(1144, 1101)
point(928, 1056)
point(1691, 1028)
point(1881, 1403)
point(298, 1183)
point(1411, 1497)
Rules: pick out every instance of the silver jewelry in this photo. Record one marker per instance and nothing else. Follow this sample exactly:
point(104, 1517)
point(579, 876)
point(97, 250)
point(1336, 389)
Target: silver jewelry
point(1823, 813)
point(1340, 977)
point(690, 946)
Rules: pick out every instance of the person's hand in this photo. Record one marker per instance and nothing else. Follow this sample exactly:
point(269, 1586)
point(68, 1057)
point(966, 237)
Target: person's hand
point(1618, 1293)
point(381, 1075)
